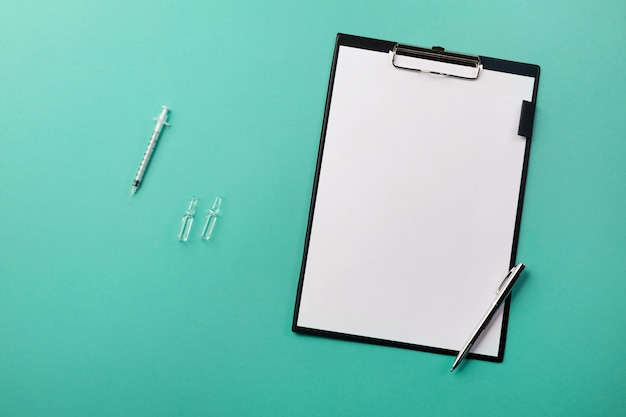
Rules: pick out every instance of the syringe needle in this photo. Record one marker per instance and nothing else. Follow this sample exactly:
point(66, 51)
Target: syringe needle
point(160, 122)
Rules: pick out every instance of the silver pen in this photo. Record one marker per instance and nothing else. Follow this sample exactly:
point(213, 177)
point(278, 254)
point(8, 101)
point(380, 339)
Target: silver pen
point(160, 122)
point(501, 294)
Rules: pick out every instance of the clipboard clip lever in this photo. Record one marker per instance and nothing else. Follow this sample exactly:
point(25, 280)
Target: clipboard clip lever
point(436, 61)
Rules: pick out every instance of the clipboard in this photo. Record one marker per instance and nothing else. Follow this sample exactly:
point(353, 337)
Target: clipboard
point(417, 198)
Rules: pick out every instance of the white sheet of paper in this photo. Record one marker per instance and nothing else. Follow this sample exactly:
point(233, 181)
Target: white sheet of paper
point(416, 203)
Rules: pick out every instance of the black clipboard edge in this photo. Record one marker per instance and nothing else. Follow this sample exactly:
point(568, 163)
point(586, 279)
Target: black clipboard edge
point(363, 43)
point(496, 64)
point(533, 71)
point(318, 166)
point(501, 65)
point(390, 343)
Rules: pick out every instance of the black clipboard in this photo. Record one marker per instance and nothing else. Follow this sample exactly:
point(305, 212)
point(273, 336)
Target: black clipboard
point(417, 199)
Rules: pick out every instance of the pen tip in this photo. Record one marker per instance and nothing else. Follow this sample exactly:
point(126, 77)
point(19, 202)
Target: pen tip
point(456, 363)
point(133, 191)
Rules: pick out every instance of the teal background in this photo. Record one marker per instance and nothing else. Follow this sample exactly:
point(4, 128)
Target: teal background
point(104, 313)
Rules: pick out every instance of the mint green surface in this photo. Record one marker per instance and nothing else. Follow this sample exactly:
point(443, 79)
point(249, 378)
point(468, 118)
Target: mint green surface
point(104, 313)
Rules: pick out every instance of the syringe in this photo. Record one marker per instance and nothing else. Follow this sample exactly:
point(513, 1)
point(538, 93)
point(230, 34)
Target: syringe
point(160, 122)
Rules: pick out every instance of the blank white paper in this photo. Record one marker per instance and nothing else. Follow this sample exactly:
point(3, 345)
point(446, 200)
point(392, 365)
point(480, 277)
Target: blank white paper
point(416, 203)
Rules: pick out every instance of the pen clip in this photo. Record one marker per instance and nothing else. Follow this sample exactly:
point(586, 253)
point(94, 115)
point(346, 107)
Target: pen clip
point(512, 273)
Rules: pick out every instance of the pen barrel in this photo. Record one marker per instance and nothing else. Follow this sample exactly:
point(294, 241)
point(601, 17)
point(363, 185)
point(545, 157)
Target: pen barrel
point(503, 292)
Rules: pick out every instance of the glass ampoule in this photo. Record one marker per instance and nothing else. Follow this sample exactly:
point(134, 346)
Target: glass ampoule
point(211, 219)
point(187, 220)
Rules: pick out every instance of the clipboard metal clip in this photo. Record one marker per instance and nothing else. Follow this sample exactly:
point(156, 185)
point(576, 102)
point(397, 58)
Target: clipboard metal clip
point(436, 61)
